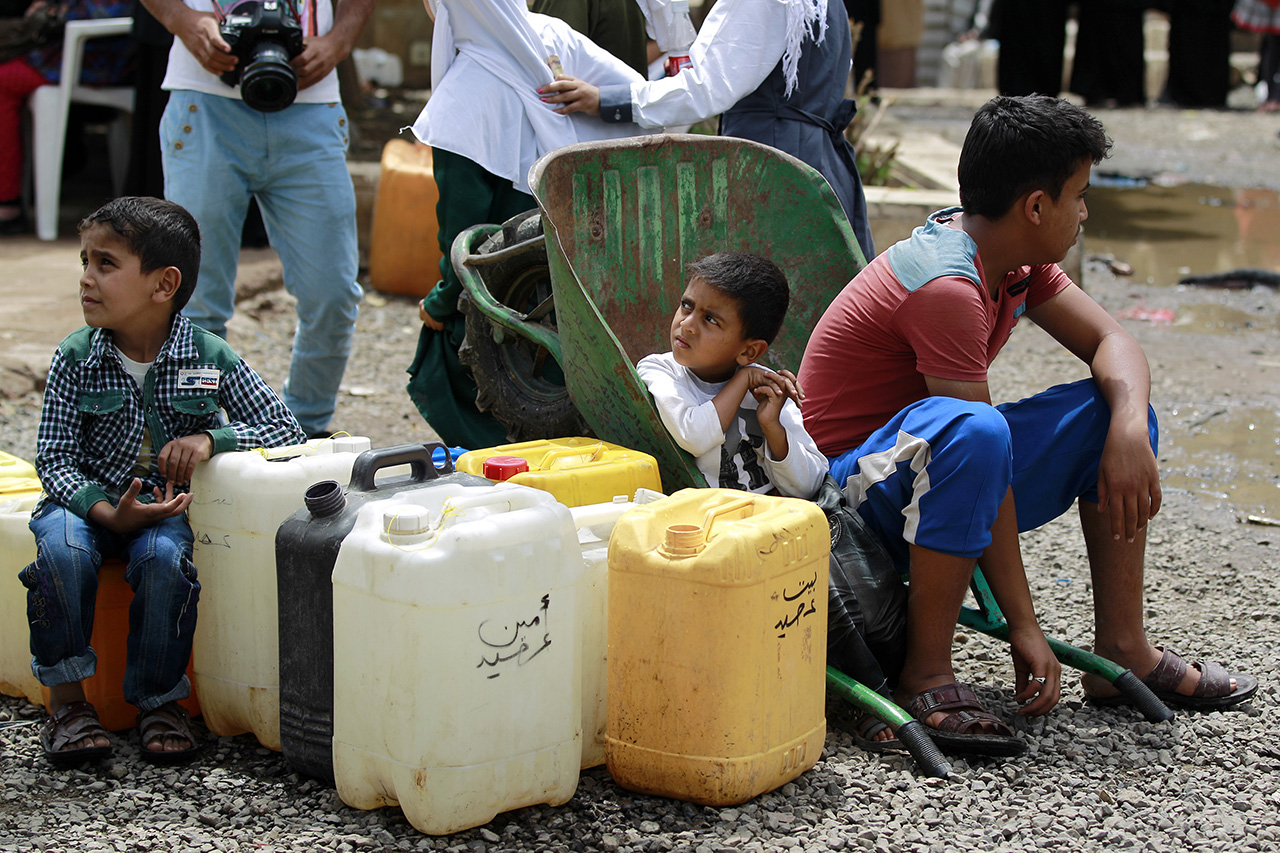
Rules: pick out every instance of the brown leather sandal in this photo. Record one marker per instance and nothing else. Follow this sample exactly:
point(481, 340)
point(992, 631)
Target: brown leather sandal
point(1212, 693)
point(961, 729)
point(169, 720)
point(72, 723)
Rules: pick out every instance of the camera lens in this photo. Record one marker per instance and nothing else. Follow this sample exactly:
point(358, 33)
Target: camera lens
point(269, 82)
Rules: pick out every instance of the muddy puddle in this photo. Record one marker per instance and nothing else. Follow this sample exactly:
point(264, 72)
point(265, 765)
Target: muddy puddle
point(1234, 455)
point(1166, 232)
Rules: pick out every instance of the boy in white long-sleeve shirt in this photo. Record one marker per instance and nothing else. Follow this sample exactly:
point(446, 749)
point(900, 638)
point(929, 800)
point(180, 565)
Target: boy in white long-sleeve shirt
point(740, 420)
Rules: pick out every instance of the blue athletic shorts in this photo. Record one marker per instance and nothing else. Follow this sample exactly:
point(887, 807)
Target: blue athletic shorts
point(935, 475)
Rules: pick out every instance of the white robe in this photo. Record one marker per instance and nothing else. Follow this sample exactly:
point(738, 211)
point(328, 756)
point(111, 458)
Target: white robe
point(484, 103)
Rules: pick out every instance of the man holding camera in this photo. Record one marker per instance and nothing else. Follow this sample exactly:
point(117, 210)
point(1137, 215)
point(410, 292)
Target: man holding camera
point(263, 119)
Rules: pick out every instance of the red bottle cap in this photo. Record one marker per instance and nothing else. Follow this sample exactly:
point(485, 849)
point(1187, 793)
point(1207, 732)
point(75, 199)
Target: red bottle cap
point(499, 468)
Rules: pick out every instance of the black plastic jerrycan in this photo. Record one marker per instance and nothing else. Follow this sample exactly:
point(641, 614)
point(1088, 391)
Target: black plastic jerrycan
point(307, 547)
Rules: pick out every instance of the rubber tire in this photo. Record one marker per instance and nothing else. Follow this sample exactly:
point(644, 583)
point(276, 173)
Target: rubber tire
point(510, 384)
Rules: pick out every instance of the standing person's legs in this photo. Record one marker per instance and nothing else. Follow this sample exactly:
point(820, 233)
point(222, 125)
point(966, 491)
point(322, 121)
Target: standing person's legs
point(1032, 36)
point(62, 586)
point(309, 207)
point(210, 147)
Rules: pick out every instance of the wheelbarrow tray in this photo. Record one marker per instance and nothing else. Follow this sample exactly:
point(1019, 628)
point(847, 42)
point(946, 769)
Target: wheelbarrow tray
point(624, 218)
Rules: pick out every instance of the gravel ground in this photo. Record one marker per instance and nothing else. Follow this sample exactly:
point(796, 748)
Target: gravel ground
point(1093, 778)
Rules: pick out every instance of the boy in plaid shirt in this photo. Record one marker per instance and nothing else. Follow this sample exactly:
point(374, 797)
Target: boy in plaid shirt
point(131, 407)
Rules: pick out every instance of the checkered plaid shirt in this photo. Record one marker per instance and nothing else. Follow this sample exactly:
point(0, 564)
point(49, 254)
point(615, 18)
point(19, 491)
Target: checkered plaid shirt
point(92, 423)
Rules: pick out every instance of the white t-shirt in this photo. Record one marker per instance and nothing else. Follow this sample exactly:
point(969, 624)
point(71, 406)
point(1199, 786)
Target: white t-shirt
point(137, 371)
point(185, 72)
point(738, 458)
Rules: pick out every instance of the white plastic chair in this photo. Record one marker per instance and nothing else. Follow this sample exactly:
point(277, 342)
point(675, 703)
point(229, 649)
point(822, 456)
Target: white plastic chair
point(49, 106)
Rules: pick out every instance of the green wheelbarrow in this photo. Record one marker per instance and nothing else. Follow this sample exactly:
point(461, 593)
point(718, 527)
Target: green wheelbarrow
point(621, 222)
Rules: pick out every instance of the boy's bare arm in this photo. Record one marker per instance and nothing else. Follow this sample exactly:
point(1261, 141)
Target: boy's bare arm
point(1128, 477)
point(130, 515)
point(1003, 567)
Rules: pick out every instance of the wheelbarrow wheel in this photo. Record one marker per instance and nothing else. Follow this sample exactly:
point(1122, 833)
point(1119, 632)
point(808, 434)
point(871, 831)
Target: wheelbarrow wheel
point(518, 382)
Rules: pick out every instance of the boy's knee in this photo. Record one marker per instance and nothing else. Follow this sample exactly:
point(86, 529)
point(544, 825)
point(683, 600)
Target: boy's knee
point(981, 431)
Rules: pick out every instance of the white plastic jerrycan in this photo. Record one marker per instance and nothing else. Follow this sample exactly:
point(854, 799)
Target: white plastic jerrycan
point(595, 525)
point(457, 655)
point(238, 501)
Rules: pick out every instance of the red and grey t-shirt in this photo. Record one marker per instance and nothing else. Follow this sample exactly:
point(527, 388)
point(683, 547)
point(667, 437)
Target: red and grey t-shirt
point(919, 309)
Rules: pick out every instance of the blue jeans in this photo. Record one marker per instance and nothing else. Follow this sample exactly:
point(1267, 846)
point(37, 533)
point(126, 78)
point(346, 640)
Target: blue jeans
point(935, 475)
point(217, 154)
point(62, 586)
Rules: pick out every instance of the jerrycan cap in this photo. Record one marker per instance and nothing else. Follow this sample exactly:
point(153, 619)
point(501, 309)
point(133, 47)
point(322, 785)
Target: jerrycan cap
point(406, 520)
point(351, 444)
point(499, 468)
point(683, 540)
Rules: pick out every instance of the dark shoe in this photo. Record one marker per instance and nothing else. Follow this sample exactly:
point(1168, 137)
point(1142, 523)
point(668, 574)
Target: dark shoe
point(865, 728)
point(961, 730)
point(72, 723)
point(169, 720)
point(1213, 693)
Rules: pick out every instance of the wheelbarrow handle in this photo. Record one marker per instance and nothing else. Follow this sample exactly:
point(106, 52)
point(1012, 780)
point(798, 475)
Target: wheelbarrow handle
point(462, 256)
point(913, 734)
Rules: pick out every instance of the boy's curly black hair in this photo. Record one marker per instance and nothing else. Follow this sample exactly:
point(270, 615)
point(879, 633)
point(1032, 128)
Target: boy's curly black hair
point(159, 233)
point(756, 284)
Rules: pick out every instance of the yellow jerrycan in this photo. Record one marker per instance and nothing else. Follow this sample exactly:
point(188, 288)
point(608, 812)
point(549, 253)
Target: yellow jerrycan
point(18, 496)
point(578, 471)
point(717, 645)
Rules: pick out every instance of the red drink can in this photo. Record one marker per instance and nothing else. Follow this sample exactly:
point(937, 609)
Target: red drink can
point(675, 63)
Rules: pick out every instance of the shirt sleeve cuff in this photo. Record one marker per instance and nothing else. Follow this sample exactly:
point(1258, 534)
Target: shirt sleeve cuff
point(615, 102)
point(82, 500)
point(224, 439)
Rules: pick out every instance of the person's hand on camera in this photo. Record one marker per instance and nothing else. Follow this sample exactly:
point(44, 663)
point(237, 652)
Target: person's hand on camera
point(320, 55)
point(199, 32)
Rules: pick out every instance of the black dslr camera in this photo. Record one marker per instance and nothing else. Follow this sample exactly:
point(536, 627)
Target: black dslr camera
point(264, 35)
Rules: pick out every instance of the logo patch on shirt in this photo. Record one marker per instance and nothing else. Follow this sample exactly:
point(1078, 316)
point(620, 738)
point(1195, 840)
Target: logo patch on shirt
point(199, 377)
point(1017, 312)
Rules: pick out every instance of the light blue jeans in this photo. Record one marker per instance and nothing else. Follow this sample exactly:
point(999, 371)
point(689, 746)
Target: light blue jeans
point(62, 587)
point(217, 154)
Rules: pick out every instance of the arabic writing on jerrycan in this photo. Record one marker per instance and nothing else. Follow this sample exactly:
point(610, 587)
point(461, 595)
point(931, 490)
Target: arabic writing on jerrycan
point(717, 645)
point(457, 655)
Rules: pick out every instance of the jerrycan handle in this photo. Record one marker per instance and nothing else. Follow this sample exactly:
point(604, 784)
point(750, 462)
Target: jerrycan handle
point(557, 458)
point(417, 456)
point(513, 497)
point(739, 508)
